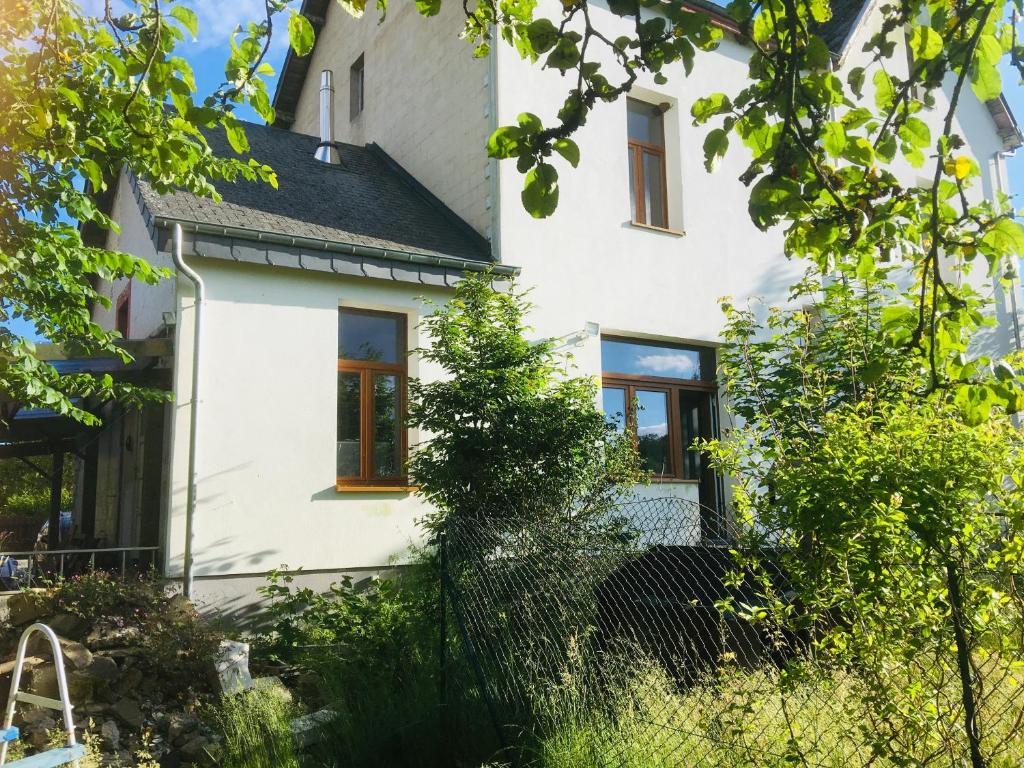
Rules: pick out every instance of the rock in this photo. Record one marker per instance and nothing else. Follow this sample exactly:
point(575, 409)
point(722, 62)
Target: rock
point(128, 655)
point(309, 729)
point(31, 662)
point(103, 669)
point(37, 717)
point(103, 637)
point(67, 625)
point(24, 607)
point(75, 654)
point(171, 760)
point(81, 688)
point(39, 739)
point(128, 712)
point(111, 734)
point(130, 680)
point(179, 725)
point(194, 748)
point(44, 681)
point(232, 667)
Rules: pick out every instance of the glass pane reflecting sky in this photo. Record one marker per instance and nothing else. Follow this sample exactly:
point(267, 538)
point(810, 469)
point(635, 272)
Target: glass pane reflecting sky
point(619, 356)
point(615, 407)
point(368, 337)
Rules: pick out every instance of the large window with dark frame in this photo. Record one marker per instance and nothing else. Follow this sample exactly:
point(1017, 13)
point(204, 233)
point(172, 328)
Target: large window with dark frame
point(372, 372)
point(664, 395)
point(647, 186)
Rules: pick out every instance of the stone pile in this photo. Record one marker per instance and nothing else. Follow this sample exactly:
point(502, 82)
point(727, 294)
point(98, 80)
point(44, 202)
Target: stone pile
point(112, 694)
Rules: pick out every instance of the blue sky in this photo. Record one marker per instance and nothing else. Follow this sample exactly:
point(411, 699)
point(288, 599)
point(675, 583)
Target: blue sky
point(217, 20)
point(1015, 165)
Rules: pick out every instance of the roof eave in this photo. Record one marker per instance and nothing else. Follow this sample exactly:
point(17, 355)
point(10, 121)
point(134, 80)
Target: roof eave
point(394, 255)
point(1006, 124)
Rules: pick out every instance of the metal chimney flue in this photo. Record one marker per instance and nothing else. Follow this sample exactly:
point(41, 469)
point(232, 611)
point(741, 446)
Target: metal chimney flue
point(327, 150)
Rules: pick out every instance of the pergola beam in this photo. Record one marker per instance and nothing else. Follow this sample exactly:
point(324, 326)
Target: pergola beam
point(35, 448)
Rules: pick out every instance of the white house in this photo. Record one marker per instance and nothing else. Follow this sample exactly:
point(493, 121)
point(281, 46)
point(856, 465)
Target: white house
point(298, 438)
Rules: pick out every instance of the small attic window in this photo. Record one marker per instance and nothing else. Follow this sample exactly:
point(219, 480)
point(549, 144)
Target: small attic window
point(355, 88)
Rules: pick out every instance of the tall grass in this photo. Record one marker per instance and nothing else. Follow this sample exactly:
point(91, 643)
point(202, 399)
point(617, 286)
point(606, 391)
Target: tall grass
point(255, 726)
point(742, 718)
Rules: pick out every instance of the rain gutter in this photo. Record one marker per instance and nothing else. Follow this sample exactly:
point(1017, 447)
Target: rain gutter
point(335, 246)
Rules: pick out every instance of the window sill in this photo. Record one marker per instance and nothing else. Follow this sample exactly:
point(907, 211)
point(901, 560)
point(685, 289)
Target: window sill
point(673, 481)
point(348, 488)
point(660, 230)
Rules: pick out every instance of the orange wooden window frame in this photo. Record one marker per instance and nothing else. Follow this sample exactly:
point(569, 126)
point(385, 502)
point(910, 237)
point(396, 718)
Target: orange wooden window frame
point(630, 383)
point(637, 150)
point(368, 370)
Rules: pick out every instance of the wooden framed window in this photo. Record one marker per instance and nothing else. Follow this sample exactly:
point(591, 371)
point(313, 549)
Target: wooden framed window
point(355, 88)
point(647, 181)
point(666, 396)
point(372, 375)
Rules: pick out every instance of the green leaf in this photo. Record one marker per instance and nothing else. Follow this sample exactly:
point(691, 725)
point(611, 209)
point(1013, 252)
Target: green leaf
point(705, 108)
point(300, 34)
point(817, 53)
point(859, 151)
point(856, 81)
point(529, 122)
point(188, 19)
point(873, 371)
point(833, 138)
point(885, 91)
point(505, 142)
point(428, 7)
point(543, 35)
point(715, 146)
point(1005, 238)
point(925, 43)
point(236, 135)
point(540, 191)
point(566, 54)
point(865, 266)
point(821, 10)
point(568, 149)
point(916, 132)
point(986, 82)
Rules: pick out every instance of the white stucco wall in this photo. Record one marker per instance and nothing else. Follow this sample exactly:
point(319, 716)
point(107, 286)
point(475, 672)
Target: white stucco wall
point(426, 99)
point(588, 263)
point(148, 302)
point(267, 423)
point(266, 460)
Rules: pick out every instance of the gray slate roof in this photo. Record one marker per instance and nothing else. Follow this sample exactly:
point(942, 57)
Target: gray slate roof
point(369, 200)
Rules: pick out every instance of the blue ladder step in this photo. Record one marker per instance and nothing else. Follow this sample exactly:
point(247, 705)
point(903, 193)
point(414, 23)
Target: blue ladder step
point(52, 758)
point(9, 734)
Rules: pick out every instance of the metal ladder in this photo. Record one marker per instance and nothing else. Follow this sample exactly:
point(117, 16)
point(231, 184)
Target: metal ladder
point(72, 752)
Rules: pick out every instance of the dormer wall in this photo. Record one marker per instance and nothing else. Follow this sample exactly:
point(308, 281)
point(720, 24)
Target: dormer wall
point(425, 99)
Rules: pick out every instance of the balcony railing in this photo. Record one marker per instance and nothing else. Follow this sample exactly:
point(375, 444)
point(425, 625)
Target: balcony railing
point(19, 569)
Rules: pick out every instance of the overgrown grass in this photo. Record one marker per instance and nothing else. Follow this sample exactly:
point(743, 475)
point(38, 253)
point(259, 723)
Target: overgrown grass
point(743, 718)
point(255, 727)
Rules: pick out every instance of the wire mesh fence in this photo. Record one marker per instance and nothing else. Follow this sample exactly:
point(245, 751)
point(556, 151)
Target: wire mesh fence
point(635, 640)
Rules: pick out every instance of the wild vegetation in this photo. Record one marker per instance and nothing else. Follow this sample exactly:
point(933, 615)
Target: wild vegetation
point(513, 435)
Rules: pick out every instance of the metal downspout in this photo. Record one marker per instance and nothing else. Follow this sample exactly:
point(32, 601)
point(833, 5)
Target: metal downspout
point(193, 432)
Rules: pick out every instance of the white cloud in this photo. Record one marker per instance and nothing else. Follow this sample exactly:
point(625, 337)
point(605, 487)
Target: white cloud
point(655, 430)
point(217, 20)
point(679, 364)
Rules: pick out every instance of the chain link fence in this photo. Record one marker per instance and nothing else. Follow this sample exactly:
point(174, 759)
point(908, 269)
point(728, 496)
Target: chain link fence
point(635, 640)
